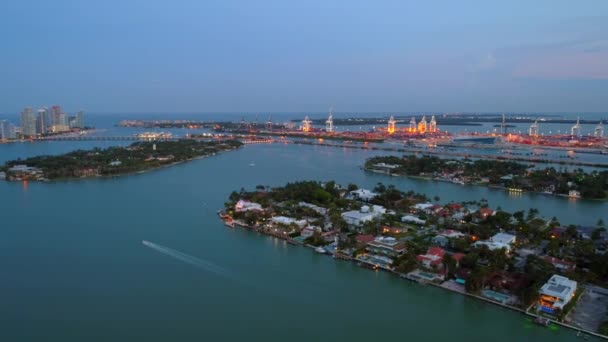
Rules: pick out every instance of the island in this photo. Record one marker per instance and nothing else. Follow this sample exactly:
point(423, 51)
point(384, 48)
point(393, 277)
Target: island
point(512, 176)
point(112, 161)
point(514, 260)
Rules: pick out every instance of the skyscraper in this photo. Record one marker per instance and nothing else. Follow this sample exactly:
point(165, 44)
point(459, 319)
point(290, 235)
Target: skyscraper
point(41, 123)
point(28, 122)
point(7, 130)
point(63, 120)
point(80, 119)
point(55, 115)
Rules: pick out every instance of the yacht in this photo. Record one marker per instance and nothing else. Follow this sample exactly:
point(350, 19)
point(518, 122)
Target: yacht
point(320, 250)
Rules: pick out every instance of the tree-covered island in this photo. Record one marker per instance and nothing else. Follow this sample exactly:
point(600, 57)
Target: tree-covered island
point(513, 176)
point(466, 247)
point(112, 161)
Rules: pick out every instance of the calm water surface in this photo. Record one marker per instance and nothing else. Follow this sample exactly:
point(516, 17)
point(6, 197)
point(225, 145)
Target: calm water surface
point(74, 267)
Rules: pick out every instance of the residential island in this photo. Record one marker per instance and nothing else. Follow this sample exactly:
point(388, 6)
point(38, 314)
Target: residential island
point(112, 161)
point(518, 260)
point(509, 175)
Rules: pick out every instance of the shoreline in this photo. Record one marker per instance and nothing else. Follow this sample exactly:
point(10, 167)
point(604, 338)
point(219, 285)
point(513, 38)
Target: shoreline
point(337, 256)
point(455, 154)
point(490, 186)
point(131, 173)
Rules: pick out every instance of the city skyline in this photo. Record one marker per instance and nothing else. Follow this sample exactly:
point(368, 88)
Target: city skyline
point(234, 56)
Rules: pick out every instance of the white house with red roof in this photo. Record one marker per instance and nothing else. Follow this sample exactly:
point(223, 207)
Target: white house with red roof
point(433, 257)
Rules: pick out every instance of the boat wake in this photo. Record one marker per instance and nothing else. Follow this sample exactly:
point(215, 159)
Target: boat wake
point(189, 259)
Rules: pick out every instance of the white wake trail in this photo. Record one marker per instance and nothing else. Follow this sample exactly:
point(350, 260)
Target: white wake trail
point(189, 259)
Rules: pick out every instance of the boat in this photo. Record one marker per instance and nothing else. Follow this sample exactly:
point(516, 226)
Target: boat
point(252, 164)
point(542, 321)
point(229, 224)
point(320, 250)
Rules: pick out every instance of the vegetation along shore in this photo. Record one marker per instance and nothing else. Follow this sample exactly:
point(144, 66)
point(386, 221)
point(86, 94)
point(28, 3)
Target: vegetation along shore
point(112, 161)
point(510, 175)
point(465, 247)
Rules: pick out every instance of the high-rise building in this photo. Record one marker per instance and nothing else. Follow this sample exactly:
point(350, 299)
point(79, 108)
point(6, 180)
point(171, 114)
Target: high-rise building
point(79, 120)
point(7, 130)
point(41, 123)
point(28, 122)
point(55, 115)
point(72, 121)
point(63, 119)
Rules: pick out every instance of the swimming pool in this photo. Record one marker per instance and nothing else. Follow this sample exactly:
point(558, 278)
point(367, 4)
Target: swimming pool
point(497, 296)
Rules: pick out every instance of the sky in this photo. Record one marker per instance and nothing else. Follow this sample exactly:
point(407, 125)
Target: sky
point(304, 56)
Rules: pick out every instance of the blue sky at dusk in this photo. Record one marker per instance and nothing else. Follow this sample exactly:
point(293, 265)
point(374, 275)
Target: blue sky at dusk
point(303, 56)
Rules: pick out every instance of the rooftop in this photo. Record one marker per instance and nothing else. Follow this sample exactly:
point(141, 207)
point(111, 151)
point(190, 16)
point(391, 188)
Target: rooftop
point(559, 286)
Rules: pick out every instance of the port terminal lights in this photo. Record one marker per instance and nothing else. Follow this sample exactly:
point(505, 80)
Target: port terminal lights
point(534, 129)
point(391, 125)
point(329, 124)
point(599, 130)
point(422, 125)
point(306, 124)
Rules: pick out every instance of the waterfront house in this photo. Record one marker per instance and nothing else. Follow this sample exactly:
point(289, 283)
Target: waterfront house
point(288, 221)
point(454, 206)
point(363, 194)
point(358, 217)
point(412, 219)
point(316, 208)
point(385, 167)
point(363, 240)
point(556, 293)
point(433, 258)
point(309, 231)
point(498, 241)
point(20, 172)
point(484, 213)
point(560, 265)
point(423, 207)
point(86, 172)
point(386, 246)
point(243, 205)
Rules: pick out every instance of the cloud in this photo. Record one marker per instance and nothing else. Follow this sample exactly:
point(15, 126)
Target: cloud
point(564, 66)
point(568, 59)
